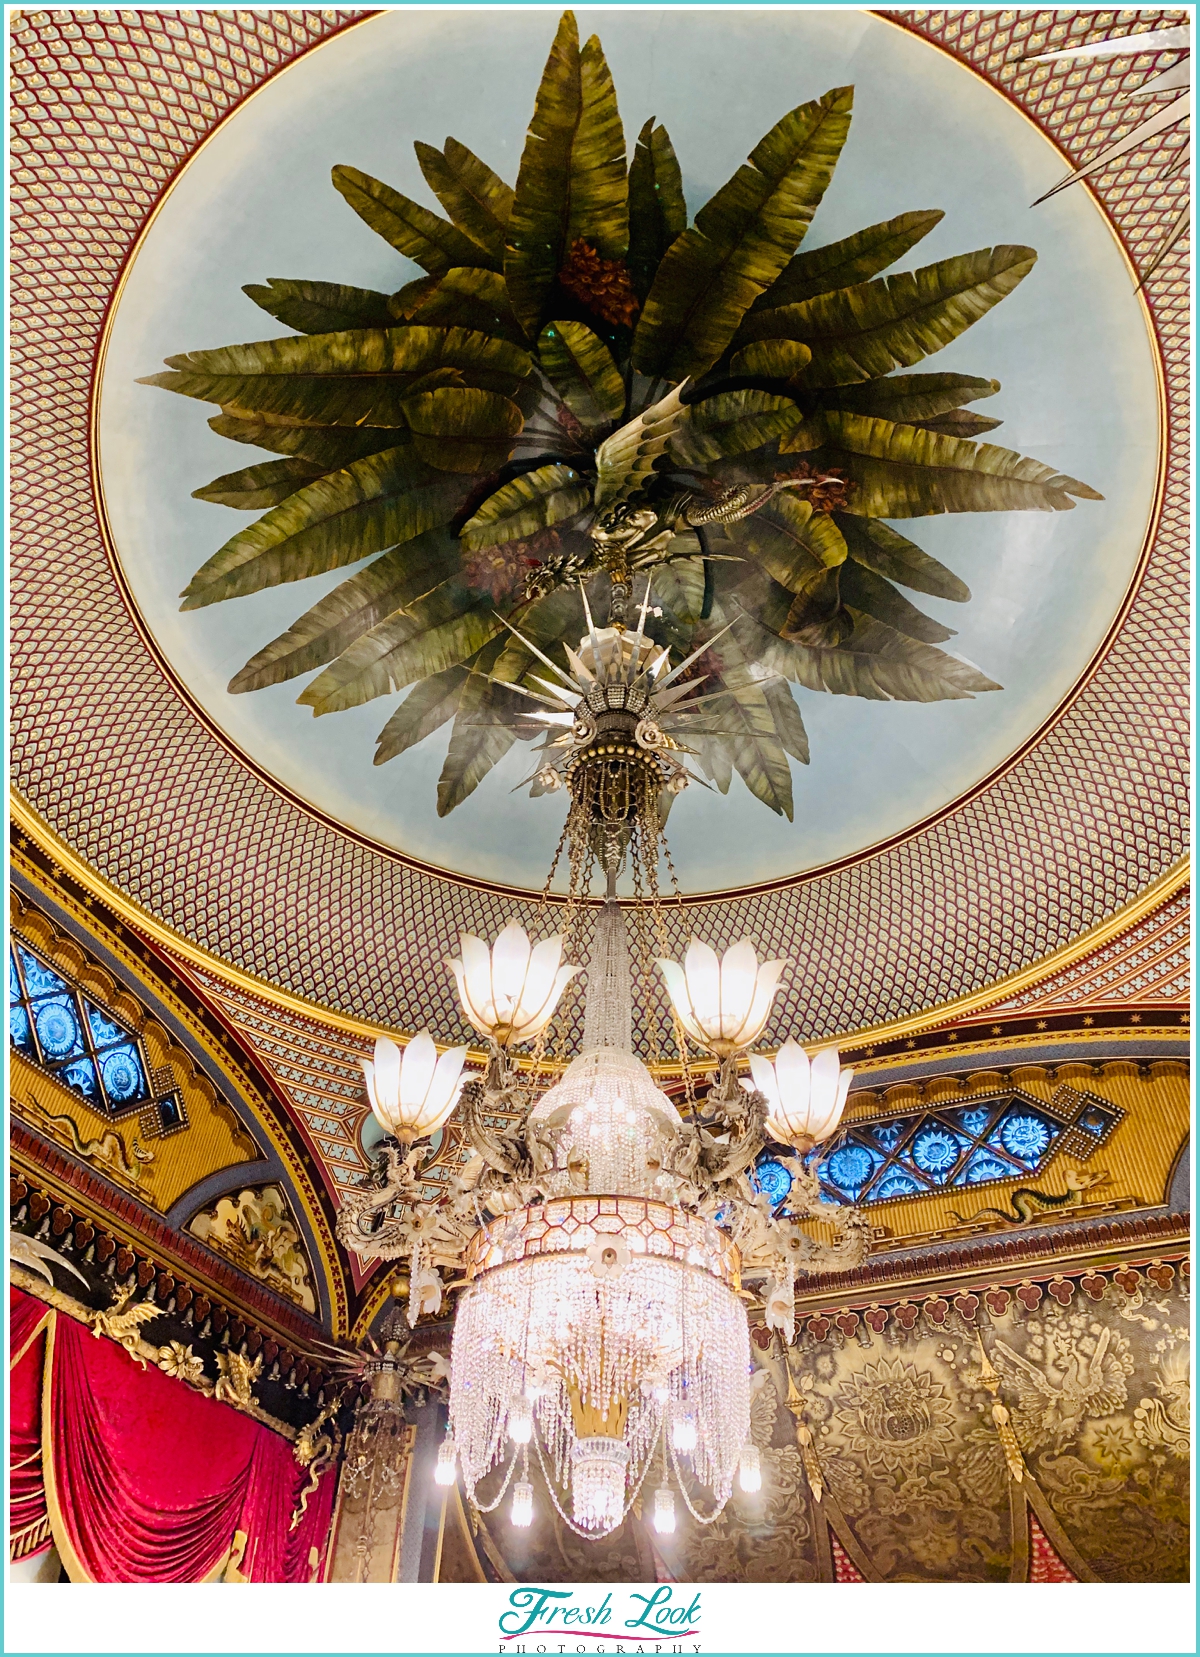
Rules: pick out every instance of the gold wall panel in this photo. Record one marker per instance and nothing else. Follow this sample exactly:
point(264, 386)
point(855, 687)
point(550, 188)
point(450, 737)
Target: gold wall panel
point(158, 1169)
point(1139, 1157)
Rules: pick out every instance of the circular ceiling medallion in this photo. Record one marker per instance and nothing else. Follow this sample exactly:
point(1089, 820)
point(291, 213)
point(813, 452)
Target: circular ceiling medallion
point(1071, 348)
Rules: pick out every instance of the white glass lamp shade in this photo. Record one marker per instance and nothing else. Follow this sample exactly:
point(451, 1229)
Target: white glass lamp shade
point(509, 992)
point(413, 1092)
point(722, 1001)
point(664, 1510)
point(805, 1098)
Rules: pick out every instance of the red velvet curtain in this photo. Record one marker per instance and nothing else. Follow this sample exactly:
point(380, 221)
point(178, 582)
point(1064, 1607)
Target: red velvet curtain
point(148, 1481)
point(28, 1523)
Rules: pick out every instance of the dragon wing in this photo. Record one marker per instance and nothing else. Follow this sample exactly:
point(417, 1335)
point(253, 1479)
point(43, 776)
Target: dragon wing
point(625, 461)
point(32, 1253)
point(134, 1316)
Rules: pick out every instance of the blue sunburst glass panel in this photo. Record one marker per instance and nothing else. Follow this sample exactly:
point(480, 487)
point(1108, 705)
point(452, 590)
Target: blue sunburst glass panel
point(936, 1151)
point(124, 1078)
point(19, 1031)
point(72, 1038)
point(40, 979)
point(772, 1179)
point(905, 1156)
point(59, 1033)
point(82, 1077)
point(104, 1031)
point(897, 1183)
point(851, 1167)
point(983, 1165)
point(1025, 1136)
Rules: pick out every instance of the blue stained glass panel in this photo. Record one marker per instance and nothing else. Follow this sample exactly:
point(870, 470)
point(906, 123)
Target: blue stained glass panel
point(18, 1027)
point(983, 1165)
point(888, 1134)
point(974, 1121)
point(773, 1179)
point(14, 983)
point(1024, 1136)
point(39, 980)
point(935, 1151)
point(122, 1073)
point(104, 1031)
point(57, 1024)
point(82, 1076)
point(896, 1183)
point(849, 1168)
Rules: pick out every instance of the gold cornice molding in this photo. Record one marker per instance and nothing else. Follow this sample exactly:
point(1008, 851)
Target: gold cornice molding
point(57, 1301)
point(933, 1275)
point(30, 823)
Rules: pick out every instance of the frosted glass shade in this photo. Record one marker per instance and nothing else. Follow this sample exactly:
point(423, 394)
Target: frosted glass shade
point(805, 1098)
point(413, 1091)
point(509, 992)
point(722, 1001)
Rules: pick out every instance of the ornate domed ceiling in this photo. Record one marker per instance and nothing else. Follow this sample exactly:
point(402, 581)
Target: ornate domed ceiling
point(935, 848)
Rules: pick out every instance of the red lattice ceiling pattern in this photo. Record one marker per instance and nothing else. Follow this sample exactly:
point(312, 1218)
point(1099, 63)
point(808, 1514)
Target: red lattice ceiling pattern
point(107, 106)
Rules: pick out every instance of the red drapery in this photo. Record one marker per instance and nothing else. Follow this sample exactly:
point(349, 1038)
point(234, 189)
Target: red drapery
point(28, 1524)
point(148, 1481)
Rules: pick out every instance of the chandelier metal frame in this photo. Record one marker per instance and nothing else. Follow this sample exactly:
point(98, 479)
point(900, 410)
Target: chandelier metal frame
point(605, 1245)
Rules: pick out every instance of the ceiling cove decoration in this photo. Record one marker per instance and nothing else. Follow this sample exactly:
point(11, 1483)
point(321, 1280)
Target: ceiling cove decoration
point(135, 775)
point(201, 1062)
point(1148, 965)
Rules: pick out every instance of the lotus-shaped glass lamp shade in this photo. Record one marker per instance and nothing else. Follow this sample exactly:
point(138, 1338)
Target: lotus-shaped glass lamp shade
point(509, 992)
point(805, 1098)
point(413, 1092)
point(722, 1002)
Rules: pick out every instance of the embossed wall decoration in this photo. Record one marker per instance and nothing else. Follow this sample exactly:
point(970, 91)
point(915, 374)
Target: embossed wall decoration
point(175, 1128)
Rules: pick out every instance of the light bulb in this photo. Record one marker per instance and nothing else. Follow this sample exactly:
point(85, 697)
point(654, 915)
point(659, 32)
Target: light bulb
point(750, 1468)
point(683, 1432)
point(522, 1506)
point(443, 1472)
point(664, 1511)
point(520, 1421)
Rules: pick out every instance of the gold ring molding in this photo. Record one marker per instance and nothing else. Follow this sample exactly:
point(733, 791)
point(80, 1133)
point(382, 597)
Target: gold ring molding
point(31, 824)
point(530, 894)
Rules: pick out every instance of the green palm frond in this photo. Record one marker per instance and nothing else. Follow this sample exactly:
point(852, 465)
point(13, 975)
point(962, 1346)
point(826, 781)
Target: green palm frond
point(573, 348)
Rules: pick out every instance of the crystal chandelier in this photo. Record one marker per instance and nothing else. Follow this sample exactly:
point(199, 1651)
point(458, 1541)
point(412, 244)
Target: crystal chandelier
point(604, 1243)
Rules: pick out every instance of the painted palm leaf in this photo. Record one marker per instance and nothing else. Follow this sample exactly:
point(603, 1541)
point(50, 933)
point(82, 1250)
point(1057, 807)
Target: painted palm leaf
point(575, 348)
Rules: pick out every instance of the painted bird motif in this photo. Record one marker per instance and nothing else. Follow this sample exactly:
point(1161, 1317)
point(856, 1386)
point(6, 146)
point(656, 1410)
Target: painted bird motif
point(1053, 1405)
